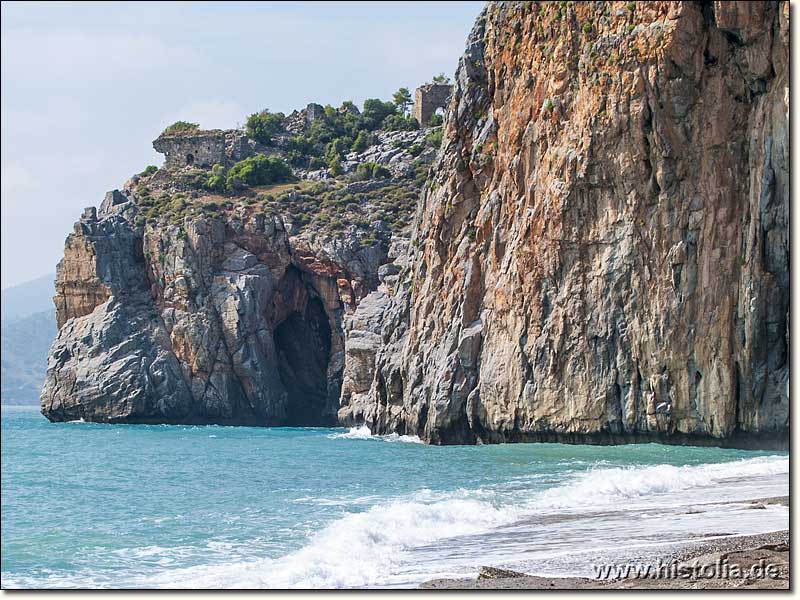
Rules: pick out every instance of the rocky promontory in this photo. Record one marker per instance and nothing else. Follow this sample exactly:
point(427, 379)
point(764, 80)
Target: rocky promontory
point(213, 289)
point(593, 247)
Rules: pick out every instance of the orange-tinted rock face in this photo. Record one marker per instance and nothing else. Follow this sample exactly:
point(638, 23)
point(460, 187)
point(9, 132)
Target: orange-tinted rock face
point(78, 288)
point(603, 254)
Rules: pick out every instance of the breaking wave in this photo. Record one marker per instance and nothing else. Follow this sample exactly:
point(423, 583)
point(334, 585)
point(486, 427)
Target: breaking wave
point(608, 486)
point(364, 549)
point(363, 433)
point(357, 550)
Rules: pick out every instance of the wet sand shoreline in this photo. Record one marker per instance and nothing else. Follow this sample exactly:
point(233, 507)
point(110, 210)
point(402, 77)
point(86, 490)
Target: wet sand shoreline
point(733, 562)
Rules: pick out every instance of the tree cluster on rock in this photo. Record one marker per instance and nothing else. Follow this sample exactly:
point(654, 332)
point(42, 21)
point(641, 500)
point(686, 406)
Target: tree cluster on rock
point(262, 126)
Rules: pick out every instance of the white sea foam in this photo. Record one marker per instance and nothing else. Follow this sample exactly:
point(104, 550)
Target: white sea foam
point(366, 548)
point(609, 486)
point(363, 433)
point(355, 551)
point(407, 439)
point(355, 433)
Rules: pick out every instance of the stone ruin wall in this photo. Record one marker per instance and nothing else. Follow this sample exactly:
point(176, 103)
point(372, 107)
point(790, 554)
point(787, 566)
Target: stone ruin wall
point(428, 98)
point(203, 149)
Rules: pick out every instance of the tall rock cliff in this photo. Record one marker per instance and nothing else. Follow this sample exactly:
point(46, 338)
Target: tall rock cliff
point(177, 303)
point(600, 253)
point(603, 253)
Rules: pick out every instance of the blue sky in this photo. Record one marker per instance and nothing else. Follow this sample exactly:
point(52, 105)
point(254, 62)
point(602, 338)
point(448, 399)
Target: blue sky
point(86, 87)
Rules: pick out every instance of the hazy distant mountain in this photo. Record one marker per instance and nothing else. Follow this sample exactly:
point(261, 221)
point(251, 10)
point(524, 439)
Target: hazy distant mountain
point(28, 329)
point(25, 343)
point(28, 298)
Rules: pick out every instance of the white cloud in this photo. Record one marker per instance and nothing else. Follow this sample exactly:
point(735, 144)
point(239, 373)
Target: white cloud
point(16, 178)
point(72, 55)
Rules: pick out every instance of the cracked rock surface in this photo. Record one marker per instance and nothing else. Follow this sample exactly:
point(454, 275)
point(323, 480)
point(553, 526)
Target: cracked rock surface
point(603, 254)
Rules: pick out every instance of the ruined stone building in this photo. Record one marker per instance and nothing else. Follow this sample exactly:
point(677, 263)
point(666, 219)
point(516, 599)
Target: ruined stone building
point(300, 120)
point(428, 98)
point(203, 149)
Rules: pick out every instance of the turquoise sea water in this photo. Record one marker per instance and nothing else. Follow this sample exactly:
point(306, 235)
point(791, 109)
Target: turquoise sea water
point(87, 505)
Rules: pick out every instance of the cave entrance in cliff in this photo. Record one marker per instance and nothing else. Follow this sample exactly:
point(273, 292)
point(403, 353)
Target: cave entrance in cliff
point(303, 345)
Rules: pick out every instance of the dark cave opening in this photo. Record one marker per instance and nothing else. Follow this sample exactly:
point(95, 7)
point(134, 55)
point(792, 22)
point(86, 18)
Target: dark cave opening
point(303, 345)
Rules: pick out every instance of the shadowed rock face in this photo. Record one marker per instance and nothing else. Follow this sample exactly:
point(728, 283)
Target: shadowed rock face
point(603, 254)
point(303, 345)
point(214, 321)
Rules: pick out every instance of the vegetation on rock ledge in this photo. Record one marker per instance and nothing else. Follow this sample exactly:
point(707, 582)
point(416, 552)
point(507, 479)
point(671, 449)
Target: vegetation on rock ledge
point(179, 127)
point(264, 125)
point(301, 167)
point(258, 170)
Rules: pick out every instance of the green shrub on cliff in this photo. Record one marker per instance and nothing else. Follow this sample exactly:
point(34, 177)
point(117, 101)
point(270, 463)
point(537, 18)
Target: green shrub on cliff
point(338, 147)
point(263, 125)
point(371, 170)
point(363, 141)
point(177, 204)
point(315, 163)
point(375, 111)
point(335, 165)
point(341, 130)
point(217, 181)
point(400, 123)
point(179, 127)
point(364, 171)
point(148, 170)
point(299, 149)
point(434, 138)
point(258, 170)
point(380, 172)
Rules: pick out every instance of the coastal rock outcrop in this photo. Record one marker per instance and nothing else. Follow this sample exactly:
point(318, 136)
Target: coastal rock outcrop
point(600, 251)
point(179, 304)
point(214, 321)
point(602, 254)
